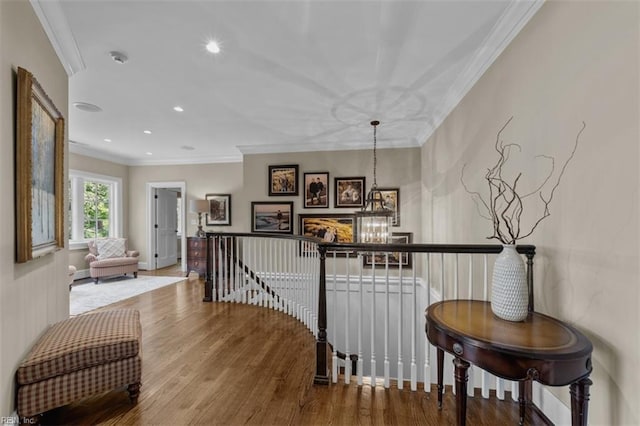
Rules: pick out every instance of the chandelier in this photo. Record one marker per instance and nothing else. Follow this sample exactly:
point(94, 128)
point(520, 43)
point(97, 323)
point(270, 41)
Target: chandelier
point(373, 221)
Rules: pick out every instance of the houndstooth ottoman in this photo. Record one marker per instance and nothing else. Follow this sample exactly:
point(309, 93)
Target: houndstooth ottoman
point(80, 357)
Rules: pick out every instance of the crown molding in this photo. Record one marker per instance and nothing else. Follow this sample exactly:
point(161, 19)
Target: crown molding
point(510, 23)
point(56, 26)
point(84, 149)
point(88, 151)
point(326, 146)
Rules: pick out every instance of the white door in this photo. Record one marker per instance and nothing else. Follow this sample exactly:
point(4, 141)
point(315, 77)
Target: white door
point(166, 228)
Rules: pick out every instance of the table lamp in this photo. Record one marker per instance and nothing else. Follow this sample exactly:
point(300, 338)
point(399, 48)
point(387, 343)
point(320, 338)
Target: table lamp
point(199, 206)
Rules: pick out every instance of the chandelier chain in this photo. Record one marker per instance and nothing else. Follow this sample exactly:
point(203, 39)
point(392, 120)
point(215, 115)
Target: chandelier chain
point(375, 158)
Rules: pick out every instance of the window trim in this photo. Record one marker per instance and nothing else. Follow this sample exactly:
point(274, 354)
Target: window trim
point(77, 178)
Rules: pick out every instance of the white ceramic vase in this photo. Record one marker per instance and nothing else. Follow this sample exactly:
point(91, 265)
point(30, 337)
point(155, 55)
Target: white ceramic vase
point(509, 291)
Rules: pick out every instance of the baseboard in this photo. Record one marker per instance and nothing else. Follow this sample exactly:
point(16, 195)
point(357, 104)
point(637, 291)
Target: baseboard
point(143, 266)
point(80, 274)
point(550, 405)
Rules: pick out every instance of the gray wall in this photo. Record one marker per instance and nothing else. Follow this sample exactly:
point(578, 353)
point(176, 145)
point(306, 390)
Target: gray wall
point(34, 294)
point(573, 62)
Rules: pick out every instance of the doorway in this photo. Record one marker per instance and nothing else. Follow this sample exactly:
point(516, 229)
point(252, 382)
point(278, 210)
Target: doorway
point(165, 243)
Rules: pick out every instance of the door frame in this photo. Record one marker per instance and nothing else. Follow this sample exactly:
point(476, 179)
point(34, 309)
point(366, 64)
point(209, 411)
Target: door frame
point(151, 212)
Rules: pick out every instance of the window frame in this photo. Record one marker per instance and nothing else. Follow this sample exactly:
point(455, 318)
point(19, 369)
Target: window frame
point(77, 179)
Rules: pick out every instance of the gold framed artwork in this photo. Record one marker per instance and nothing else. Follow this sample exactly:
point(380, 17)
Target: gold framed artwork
point(39, 171)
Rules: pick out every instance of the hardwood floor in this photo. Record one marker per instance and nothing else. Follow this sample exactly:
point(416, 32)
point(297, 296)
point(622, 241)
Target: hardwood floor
point(232, 364)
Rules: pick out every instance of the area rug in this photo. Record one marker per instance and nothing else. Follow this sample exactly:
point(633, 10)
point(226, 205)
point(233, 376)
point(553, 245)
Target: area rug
point(90, 296)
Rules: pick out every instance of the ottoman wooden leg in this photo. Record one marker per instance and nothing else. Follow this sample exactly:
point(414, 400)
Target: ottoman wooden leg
point(134, 392)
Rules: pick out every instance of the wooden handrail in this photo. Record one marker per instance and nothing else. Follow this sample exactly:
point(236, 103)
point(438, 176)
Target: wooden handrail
point(322, 374)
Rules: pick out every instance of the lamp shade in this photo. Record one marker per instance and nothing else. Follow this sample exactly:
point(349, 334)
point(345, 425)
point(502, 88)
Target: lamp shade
point(199, 206)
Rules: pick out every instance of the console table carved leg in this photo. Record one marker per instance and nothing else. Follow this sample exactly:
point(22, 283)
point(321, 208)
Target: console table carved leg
point(440, 354)
point(580, 401)
point(461, 375)
point(522, 400)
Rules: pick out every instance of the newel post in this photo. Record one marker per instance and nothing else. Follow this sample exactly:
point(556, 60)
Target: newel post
point(530, 278)
point(208, 276)
point(322, 346)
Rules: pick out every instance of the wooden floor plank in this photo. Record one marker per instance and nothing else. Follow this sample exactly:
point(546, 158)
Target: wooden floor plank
point(233, 364)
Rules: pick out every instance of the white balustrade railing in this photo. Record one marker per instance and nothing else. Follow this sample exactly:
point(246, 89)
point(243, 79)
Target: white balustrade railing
point(364, 302)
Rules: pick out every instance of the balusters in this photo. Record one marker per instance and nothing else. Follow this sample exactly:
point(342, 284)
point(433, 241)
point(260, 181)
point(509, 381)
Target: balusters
point(347, 324)
point(427, 358)
point(284, 274)
point(470, 283)
point(335, 321)
point(456, 281)
point(486, 377)
point(373, 320)
point(387, 381)
point(500, 388)
point(400, 371)
point(360, 363)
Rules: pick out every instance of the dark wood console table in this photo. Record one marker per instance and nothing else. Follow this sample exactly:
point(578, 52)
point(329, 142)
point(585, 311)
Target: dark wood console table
point(540, 348)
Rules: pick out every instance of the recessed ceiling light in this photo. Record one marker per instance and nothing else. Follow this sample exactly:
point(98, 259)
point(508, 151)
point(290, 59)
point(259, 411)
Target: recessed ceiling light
point(187, 147)
point(149, 153)
point(87, 107)
point(213, 47)
point(107, 140)
point(178, 108)
point(147, 132)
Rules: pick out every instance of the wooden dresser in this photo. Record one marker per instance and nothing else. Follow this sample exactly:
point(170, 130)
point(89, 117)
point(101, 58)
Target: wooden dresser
point(197, 255)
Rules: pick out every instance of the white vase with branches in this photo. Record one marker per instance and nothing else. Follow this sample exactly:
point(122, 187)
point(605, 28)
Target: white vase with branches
point(503, 204)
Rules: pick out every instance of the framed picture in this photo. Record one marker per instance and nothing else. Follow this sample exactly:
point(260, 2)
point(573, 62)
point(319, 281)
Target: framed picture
point(272, 217)
point(396, 258)
point(391, 197)
point(219, 209)
point(39, 171)
point(316, 190)
point(330, 227)
point(349, 192)
point(283, 180)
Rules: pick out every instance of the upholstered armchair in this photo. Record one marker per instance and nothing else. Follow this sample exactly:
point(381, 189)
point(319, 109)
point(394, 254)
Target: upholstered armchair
point(110, 256)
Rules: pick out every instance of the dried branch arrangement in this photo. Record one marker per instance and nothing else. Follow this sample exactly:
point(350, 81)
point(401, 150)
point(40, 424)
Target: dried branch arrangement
point(504, 204)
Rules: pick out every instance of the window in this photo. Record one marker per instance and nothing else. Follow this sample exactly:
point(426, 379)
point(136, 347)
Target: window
point(95, 207)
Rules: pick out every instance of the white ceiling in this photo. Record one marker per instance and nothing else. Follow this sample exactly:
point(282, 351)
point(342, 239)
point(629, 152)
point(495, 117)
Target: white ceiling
point(301, 75)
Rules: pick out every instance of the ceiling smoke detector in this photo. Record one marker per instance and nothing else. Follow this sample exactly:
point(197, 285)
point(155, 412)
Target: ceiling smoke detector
point(118, 57)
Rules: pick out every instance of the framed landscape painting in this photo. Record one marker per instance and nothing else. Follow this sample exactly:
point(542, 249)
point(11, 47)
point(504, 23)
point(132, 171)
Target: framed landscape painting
point(39, 171)
point(272, 217)
point(219, 210)
point(330, 227)
point(283, 180)
point(395, 258)
point(316, 190)
point(349, 192)
point(391, 197)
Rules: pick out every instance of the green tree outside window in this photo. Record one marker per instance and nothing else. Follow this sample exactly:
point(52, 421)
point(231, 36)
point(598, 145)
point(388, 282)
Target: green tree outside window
point(96, 210)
